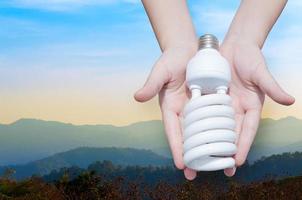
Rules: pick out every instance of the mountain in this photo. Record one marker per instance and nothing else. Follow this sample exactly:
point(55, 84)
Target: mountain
point(29, 140)
point(133, 160)
point(276, 137)
point(272, 167)
point(82, 157)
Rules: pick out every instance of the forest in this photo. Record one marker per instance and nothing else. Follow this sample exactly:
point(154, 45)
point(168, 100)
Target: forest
point(105, 180)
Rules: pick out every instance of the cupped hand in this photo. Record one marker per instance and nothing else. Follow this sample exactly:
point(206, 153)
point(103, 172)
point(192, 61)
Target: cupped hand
point(167, 79)
point(251, 81)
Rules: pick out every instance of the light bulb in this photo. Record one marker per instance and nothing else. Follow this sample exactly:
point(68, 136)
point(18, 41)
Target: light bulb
point(209, 125)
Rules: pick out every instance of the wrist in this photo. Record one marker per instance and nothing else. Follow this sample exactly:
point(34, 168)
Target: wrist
point(234, 44)
point(244, 37)
point(236, 41)
point(254, 20)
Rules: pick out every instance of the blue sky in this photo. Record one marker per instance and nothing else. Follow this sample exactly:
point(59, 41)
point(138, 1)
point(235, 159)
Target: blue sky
point(91, 34)
point(75, 49)
point(95, 31)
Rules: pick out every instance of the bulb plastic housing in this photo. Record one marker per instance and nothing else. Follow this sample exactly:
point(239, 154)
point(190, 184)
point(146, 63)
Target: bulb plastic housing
point(208, 70)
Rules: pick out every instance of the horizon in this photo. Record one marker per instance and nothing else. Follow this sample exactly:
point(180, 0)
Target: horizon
point(146, 121)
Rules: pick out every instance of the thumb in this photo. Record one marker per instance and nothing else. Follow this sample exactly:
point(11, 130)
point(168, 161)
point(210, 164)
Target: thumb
point(158, 77)
point(268, 85)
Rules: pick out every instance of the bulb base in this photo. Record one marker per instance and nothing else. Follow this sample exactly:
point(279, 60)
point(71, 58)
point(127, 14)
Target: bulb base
point(208, 41)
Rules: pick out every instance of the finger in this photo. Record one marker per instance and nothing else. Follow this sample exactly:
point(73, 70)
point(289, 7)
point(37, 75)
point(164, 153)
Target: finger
point(174, 136)
point(247, 135)
point(239, 113)
point(267, 83)
point(230, 172)
point(156, 80)
point(190, 174)
point(238, 119)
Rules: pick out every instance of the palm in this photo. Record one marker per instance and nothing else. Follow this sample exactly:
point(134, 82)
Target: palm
point(247, 97)
point(250, 82)
point(173, 94)
point(172, 98)
point(168, 80)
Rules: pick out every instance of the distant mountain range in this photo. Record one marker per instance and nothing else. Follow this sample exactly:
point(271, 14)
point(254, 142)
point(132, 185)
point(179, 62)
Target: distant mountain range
point(82, 157)
point(29, 140)
point(268, 168)
point(276, 137)
point(79, 159)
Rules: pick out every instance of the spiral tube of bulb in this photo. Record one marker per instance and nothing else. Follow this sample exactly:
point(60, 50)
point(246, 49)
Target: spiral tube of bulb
point(209, 136)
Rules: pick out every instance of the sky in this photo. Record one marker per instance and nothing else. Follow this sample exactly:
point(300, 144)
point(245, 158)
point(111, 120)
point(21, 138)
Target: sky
point(80, 61)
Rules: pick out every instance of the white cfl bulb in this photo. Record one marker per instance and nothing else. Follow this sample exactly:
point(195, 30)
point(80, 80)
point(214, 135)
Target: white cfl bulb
point(209, 136)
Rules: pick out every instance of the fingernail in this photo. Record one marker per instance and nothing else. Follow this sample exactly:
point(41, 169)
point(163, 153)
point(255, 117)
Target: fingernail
point(230, 172)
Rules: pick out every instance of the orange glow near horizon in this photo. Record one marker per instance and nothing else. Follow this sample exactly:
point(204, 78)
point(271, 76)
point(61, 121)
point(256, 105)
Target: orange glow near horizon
point(87, 97)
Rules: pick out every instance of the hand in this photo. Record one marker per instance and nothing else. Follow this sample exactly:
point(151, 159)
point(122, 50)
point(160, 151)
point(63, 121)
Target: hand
point(251, 81)
point(168, 80)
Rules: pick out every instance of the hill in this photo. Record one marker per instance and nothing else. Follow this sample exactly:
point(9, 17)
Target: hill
point(272, 167)
point(276, 137)
point(28, 140)
point(89, 185)
point(82, 157)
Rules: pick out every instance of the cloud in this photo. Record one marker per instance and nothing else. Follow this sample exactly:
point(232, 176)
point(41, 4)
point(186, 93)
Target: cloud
point(284, 58)
point(16, 27)
point(62, 5)
point(212, 19)
point(283, 47)
point(294, 4)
